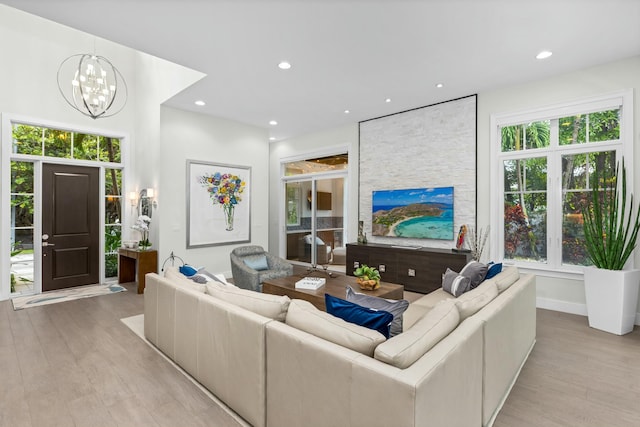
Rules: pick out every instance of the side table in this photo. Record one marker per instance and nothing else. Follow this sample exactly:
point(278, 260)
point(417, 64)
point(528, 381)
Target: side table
point(133, 264)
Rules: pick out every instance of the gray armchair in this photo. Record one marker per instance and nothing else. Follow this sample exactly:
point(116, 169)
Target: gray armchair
point(247, 277)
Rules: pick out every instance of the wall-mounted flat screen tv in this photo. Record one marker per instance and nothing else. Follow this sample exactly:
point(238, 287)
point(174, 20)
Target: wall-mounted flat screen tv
point(417, 213)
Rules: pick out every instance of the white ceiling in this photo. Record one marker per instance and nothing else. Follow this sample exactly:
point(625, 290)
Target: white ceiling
point(352, 54)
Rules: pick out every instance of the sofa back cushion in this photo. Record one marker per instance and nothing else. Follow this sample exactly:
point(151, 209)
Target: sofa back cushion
point(506, 278)
point(471, 302)
point(404, 349)
point(305, 316)
point(267, 305)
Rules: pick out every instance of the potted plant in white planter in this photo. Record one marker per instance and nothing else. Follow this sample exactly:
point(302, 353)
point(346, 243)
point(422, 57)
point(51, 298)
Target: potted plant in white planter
point(611, 230)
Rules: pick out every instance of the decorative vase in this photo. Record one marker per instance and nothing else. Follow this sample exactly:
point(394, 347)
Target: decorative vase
point(144, 244)
point(368, 285)
point(228, 216)
point(612, 299)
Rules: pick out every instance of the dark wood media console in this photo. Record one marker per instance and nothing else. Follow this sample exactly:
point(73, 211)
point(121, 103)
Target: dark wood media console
point(419, 270)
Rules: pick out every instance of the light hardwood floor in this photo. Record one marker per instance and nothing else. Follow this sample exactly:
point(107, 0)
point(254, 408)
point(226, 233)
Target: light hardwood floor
point(75, 364)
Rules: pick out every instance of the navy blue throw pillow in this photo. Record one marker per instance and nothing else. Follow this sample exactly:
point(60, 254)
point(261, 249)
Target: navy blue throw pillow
point(187, 270)
point(493, 270)
point(378, 320)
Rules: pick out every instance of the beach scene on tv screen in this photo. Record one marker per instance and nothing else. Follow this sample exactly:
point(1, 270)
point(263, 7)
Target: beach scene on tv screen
point(418, 213)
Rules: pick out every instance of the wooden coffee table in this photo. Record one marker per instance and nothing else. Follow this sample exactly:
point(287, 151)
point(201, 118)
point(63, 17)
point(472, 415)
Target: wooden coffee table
point(336, 286)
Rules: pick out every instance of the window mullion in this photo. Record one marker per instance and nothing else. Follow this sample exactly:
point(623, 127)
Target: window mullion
point(554, 211)
point(554, 198)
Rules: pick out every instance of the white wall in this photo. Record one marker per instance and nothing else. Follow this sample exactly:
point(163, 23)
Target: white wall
point(193, 136)
point(33, 48)
point(156, 81)
point(308, 146)
point(554, 293)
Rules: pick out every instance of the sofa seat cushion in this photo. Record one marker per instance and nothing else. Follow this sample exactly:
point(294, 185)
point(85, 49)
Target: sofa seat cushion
point(506, 278)
point(403, 350)
point(306, 317)
point(471, 302)
point(432, 299)
point(267, 305)
point(395, 307)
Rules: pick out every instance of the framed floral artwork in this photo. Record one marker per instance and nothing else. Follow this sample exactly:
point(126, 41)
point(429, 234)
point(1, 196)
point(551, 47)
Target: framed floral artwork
point(218, 204)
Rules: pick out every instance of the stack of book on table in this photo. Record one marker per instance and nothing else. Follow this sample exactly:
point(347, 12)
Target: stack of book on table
point(312, 283)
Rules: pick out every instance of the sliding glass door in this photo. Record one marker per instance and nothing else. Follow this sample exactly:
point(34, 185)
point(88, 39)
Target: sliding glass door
point(315, 215)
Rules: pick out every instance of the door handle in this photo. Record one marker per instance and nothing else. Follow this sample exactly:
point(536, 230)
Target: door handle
point(48, 244)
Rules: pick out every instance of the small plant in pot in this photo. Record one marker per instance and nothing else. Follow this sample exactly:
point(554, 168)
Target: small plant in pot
point(368, 278)
point(611, 230)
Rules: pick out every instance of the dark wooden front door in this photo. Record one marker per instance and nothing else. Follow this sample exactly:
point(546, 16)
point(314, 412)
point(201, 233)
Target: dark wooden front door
point(70, 224)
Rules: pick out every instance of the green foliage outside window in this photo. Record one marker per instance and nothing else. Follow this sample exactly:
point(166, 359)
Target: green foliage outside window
point(600, 126)
point(112, 241)
point(525, 183)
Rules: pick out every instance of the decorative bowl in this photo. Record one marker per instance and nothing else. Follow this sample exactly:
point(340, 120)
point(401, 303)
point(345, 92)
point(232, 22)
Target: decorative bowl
point(368, 285)
point(129, 244)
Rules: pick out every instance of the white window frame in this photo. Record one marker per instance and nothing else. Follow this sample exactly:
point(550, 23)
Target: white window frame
point(553, 267)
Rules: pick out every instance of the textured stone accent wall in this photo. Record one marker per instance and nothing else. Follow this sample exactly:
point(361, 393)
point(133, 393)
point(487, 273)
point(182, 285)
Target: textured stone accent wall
point(433, 146)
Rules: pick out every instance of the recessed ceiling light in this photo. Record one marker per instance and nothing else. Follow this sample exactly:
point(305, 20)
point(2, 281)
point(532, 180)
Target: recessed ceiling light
point(284, 65)
point(544, 54)
point(387, 100)
point(272, 138)
point(273, 123)
point(347, 111)
point(200, 103)
point(439, 85)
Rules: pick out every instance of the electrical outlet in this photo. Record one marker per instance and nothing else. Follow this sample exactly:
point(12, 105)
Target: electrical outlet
point(382, 268)
point(411, 272)
point(356, 264)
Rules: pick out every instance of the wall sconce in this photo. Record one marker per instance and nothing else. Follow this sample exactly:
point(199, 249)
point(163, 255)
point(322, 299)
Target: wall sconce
point(133, 198)
point(146, 201)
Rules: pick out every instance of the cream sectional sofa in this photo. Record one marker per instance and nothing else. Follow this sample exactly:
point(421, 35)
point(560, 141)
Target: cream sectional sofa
point(453, 365)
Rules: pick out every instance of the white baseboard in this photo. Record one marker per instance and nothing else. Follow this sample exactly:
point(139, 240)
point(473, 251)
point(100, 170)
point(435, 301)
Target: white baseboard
point(568, 307)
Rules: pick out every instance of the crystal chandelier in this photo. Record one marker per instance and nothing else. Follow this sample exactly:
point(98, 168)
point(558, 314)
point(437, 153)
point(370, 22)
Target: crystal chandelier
point(97, 88)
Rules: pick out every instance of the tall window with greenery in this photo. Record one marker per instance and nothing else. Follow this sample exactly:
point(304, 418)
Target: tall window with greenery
point(112, 221)
point(22, 226)
point(546, 165)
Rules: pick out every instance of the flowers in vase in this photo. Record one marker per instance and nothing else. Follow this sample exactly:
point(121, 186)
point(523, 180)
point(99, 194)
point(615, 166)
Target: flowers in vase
point(143, 223)
point(225, 190)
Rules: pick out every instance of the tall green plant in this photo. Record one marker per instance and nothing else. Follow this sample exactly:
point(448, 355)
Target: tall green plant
point(610, 229)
